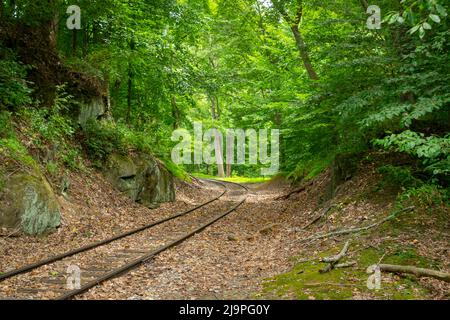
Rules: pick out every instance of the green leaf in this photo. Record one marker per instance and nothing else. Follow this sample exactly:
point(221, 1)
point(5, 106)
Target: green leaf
point(421, 32)
point(393, 18)
point(414, 29)
point(435, 18)
point(426, 26)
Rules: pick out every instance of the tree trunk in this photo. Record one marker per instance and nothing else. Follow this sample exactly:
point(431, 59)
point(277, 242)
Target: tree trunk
point(217, 141)
point(304, 55)
point(294, 24)
point(175, 113)
point(228, 169)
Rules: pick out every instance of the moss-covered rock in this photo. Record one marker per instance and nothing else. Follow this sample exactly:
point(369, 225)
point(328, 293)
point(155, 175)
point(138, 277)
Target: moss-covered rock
point(27, 201)
point(142, 178)
point(158, 185)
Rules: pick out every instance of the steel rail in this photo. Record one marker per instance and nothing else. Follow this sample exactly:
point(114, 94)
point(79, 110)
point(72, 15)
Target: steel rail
point(27, 268)
point(132, 265)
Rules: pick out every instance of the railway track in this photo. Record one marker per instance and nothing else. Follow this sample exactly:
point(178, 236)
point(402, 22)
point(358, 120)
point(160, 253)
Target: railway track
point(110, 258)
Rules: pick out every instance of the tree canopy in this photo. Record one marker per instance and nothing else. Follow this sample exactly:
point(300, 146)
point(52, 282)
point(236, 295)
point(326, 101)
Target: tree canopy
point(311, 68)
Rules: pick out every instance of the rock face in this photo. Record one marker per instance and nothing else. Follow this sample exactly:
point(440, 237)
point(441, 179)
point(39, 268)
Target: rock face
point(142, 178)
point(27, 201)
point(92, 110)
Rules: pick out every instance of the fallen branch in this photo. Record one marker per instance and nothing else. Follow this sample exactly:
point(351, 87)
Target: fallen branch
point(345, 264)
point(337, 257)
point(354, 230)
point(324, 212)
point(332, 261)
point(420, 272)
point(298, 190)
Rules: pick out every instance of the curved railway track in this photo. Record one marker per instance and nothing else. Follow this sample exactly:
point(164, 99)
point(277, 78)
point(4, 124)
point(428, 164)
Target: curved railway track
point(113, 258)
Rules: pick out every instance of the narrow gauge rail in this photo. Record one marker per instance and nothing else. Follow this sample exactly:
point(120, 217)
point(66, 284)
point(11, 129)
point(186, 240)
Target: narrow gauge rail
point(136, 262)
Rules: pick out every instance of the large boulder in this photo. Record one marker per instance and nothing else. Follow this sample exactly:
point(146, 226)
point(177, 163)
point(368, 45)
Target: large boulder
point(142, 178)
point(27, 201)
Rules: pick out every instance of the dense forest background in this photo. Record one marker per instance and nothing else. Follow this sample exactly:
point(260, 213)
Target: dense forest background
point(311, 68)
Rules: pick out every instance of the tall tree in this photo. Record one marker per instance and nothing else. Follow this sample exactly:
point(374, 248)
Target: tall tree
point(294, 24)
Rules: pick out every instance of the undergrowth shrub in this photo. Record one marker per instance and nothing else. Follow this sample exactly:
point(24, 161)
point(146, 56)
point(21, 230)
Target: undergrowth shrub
point(431, 203)
point(11, 149)
point(101, 139)
point(398, 176)
point(14, 90)
point(428, 197)
point(52, 129)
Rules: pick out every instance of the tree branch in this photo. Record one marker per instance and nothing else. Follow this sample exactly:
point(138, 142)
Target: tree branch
point(420, 272)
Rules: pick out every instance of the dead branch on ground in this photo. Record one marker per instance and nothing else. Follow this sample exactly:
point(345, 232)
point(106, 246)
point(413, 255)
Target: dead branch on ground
point(333, 261)
point(419, 272)
point(355, 230)
point(297, 190)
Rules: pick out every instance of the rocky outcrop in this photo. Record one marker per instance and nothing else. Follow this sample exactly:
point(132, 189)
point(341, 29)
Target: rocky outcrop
point(93, 109)
point(142, 178)
point(27, 202)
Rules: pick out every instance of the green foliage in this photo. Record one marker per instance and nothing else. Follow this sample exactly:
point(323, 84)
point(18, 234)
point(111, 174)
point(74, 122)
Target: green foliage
point(308, 170)
point(6, 129)
point(51, 167)
point(51, 125)
point(398, 176)
point(52, 129)
point(420, 15)
point(11, 149)
point(169, 63)
point(101, 140)
point(426, 196)
point(434, 151)
point(14, 90)
point(14, 150)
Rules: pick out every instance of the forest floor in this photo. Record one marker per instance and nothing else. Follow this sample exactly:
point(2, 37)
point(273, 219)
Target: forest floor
point(256, 252)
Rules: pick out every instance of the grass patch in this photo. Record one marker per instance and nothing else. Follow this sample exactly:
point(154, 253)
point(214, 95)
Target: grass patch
point(13, 151)
point(305, 282)
point(233, 179)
